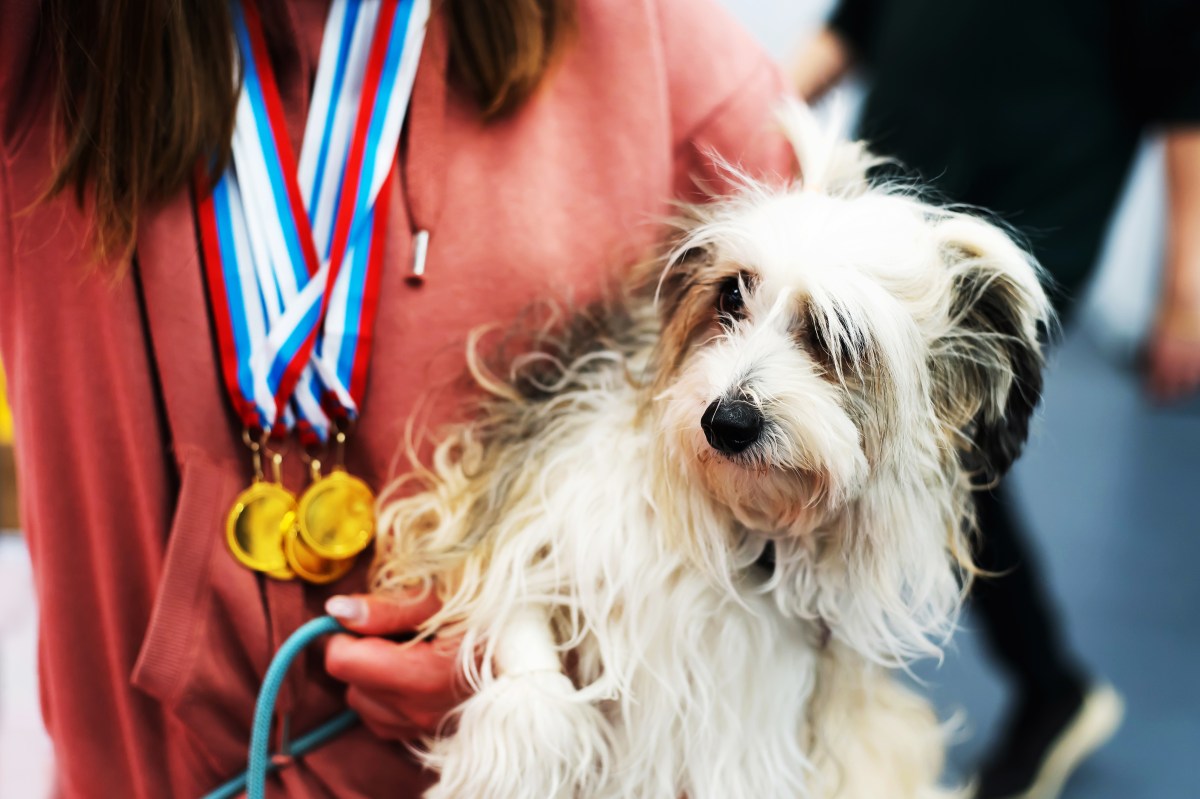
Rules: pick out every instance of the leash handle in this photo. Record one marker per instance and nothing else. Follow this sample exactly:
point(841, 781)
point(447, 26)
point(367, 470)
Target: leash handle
point(260, 763)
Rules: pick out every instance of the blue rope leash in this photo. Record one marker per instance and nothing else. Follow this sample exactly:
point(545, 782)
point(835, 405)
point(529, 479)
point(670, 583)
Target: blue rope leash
point(254, 779)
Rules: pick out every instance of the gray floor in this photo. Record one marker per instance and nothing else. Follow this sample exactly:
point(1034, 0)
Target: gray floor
point(1111, 486)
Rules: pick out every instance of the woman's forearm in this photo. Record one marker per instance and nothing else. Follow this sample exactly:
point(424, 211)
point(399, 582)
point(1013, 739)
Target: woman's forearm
point(1174, 347)
point(1181, 278)
point(821, 62)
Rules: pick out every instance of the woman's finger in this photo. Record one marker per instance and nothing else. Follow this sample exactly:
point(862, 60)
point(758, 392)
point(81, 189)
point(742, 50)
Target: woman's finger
point(382, 665)
point(390, 717)
point(368, 614)
point(384, 716)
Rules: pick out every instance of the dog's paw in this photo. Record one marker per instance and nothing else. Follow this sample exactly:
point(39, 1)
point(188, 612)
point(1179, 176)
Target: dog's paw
point(527, 736)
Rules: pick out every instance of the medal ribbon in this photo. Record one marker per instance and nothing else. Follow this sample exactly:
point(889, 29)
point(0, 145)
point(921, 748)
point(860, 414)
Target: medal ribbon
point(294, 249)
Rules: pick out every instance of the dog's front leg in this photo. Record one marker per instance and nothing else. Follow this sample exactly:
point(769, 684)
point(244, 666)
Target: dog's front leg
point(527, 733)
point(875, 738)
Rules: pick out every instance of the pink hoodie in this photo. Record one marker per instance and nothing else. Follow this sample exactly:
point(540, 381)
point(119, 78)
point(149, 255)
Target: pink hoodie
point(153, 638)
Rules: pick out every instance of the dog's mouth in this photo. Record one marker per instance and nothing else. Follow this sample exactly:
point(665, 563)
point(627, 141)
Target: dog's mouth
point(775, 500)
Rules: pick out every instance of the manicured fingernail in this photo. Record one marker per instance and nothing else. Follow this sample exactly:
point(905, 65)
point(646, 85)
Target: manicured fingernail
point(346, 608)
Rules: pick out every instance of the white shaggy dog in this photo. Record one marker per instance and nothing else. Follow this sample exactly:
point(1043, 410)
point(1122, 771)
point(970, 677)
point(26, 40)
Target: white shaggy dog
point(686, 543)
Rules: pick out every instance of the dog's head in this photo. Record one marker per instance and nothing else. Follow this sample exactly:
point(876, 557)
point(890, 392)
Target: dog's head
point(836, 356)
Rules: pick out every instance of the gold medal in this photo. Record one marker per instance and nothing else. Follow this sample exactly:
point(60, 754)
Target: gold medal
point(336, 516)
point(252, 527)
point(308, 565)
point(253, 531)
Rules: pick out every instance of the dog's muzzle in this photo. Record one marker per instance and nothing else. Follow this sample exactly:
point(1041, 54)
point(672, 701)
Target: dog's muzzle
point(731, 426)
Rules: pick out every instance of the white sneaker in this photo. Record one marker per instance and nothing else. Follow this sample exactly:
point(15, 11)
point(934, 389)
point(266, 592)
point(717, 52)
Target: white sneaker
point(1092, 725)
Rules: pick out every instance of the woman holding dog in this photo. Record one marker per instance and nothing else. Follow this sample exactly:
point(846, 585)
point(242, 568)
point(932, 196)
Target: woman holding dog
point(1038, 120)
point(542, 140)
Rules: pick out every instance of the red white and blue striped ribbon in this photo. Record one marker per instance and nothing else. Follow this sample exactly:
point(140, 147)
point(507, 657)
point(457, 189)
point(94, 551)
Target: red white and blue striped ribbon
point(293, 248)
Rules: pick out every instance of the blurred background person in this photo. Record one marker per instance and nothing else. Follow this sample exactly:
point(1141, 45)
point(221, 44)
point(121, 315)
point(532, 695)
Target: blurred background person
point(1034, 111)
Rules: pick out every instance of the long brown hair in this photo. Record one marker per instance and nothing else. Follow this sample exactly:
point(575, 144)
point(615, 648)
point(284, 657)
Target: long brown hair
point(147, 88)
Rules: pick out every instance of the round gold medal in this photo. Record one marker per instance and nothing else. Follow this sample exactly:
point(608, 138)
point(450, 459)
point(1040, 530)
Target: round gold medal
point(336, 516)
point(253, 530)
point(308, 565)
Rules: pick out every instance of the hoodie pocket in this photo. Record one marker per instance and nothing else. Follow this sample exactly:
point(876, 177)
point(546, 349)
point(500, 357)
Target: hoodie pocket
point(207, 642)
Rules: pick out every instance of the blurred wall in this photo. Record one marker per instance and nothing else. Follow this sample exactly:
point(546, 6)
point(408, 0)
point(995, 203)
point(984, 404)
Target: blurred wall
point(1120, 305)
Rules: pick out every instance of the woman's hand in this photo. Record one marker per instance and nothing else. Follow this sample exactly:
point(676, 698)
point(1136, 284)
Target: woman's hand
point(1173, 352)
point(401, 691)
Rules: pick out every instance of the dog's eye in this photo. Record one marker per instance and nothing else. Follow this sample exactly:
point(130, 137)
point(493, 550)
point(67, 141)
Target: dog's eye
point(730, 302)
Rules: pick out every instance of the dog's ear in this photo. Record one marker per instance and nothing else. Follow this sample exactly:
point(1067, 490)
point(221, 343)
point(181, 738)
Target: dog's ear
point(678, 272)
point(683, 305)
point(988, 364)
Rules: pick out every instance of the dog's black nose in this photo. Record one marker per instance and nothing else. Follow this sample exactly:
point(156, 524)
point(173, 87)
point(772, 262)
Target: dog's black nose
point(731, 425)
